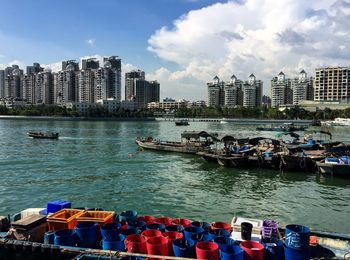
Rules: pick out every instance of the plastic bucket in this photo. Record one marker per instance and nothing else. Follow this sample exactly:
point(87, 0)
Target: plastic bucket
point(156, 226)
point(233, 252)
point(274, 250)
point(184, 248)
point(65, 237)
point(147, 219)
point(194, 238)
point(188, 231)
point(49, 237)
point(171, 236)
point(151, 233)
point(295, 254)
point(115, 244)
point(139, 224)
point(182, 221)
point(128, 216)
point(157, 246)
point(129, 230)
point(176, 228)
point(221, 225)
point(297, 237)
point(201, 224)
point(246, 230)
point(110, 230)
point(252, 250)
point(87, 233)
point(213, 233)
point(207, 250)
point(135, 244)
point(224, 242)
point(163, 220)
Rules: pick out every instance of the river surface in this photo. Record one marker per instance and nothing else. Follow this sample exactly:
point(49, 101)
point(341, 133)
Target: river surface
point(97, 164)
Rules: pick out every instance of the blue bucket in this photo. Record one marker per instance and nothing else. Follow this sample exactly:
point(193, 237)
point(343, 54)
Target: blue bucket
point(65, 237)
point(233, 252)
point(295, 254)
point(49, 237)
point(297, 237)
point(129, 216)
point(130, 230)
point(204, 225)
point(139, 224)
point(188, 231)
point(196, 238)
point(115, 244)
point(110, 230)
point(224, 242)
point(176, 228)
point(213, 233)
point(87, 233)
point(184, 248)
point(156, 226)
point(274, 251)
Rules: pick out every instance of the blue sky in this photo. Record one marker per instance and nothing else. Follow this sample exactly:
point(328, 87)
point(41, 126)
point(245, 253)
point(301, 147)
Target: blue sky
point(181, 43)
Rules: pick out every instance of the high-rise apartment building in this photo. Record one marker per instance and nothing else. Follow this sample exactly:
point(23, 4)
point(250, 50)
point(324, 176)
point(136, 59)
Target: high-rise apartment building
point(44, 87)
point(303, 88)
point(332, 84)
point(71, 65)
point(2, 83)
point(86, 85)
point(28, 87)
point(130, 83)
point(113, 74)
point(233, 92)
point(66, 83)
point(12, 86)
point(90, 63)
point(281, 90)
point(216, 92)
point(252, 92)
point(146, 92)
point(35, 68)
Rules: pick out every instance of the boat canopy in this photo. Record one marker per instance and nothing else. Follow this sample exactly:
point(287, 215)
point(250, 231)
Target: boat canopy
point(292, 134)
point(227, 138)
point(256, 140)
point(197, 135)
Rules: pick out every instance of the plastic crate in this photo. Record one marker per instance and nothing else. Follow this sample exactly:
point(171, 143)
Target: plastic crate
point(101, 217)
point(57, 205)
point(65, 218)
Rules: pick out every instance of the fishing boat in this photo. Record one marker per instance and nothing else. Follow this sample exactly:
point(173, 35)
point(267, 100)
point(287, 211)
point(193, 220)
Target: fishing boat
point(335, 166)
point(264, 152)
point(286, 127)
point(43, 135)
point(181, 122)
point(338, 122)
point(191, 142)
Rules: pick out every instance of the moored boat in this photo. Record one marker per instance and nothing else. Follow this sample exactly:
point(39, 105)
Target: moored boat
point(335, 166)
point(287, 127)
point(43, 135)
point(181, 122)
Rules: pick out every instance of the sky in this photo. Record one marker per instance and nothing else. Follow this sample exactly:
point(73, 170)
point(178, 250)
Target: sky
point(181, 43)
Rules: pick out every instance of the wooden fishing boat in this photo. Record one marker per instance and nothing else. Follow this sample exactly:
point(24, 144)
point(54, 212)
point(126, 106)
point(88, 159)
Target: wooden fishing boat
point(287, 127)
point(43, 135)
point(335, 166)
point(181, 122)
point(233, 160)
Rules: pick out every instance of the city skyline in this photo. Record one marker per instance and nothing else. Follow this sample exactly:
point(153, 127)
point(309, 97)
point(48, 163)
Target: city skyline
point(183, 44)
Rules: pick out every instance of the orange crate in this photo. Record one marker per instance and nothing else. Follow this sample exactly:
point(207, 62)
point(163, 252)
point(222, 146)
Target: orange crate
point(65, 218)
point(101, 217)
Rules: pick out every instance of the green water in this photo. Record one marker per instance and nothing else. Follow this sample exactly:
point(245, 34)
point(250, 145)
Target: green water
point(97, 164)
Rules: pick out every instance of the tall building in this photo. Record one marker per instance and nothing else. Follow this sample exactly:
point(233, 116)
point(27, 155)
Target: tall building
point(216, 92)
point(12, 86)
point(281, 90)
point(90, 63)
point(113, 76)
point(252, 92)
point(71, 65)
point(86, 86)
point(266, 100)
point(233, 92)
point(34, 69)
point(66, 83)
point(332, 84)
point(303, 88)
point(2, 83)
point(28, 87)
point(130, 82)
point(44, 87)
point(146, 92)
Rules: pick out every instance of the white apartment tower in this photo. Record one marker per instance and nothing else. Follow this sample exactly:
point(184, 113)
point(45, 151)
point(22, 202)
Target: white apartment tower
point(281, 91)
point(303, 88)
point(233, 92)
point(216, 95)
point(252, 92)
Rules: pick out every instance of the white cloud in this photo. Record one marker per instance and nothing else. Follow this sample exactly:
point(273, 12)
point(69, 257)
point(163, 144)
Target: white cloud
point(259, 36)
point(91, 42)
point(14, 62)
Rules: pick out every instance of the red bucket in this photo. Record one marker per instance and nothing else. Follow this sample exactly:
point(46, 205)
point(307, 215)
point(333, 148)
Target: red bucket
point(163, 220)
point(207, 250)
point(151, 233)
point(252, 250)
point(157, 246)
point(221, 225)
point(147, 219)
point(182, 221)
point(171, 236)
point(135, 244)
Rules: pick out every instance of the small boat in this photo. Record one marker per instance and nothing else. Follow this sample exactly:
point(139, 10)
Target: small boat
point(335, 166)
point(181, 122)
point(338, 122)
point(43, 135)
point(286, 127)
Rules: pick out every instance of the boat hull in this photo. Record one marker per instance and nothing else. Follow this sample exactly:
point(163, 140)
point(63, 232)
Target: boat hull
point(342, 170)
point(169, 147)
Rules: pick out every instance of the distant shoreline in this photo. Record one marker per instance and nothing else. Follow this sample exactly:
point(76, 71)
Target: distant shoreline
point(62, 118)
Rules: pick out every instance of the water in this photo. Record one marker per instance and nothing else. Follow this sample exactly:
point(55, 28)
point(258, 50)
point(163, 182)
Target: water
point(97, 164)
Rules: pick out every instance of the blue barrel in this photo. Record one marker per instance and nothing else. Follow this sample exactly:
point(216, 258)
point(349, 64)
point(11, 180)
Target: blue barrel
point(295, 254)
point(224, 242)
point(49, 237)
point(297, 237)
point(156, 226)
point(204, 225)
point(110, 230)
point(176, 228)
point(213, 233)
point(130, 230)
point(274, 250)
point(233, 252)
point(87, 233)
point(115, 244)
point(184, 248)
point(65, 237)
point(188, 231)
point(129, 216)
point(194, 238)
point(139, 224)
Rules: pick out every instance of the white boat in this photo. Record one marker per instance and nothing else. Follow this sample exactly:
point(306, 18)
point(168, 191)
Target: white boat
point(338, 122)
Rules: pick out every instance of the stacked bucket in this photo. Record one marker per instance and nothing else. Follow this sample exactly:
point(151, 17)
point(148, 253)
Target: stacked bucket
point(296, 244)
